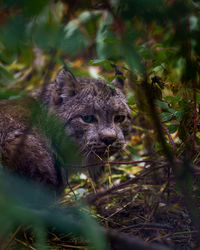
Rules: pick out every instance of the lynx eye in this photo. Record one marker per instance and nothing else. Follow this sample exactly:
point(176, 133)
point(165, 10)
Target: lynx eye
point(119, 118)
point(89, 118)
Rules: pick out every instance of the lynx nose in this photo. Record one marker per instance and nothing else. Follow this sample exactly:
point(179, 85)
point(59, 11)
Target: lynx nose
point(108, 136)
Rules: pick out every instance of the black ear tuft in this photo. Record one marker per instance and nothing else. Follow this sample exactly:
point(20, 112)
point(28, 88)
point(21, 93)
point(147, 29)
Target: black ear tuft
point(118, 82)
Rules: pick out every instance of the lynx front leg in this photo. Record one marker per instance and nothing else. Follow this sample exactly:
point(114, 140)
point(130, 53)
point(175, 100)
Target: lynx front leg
point(28, 155)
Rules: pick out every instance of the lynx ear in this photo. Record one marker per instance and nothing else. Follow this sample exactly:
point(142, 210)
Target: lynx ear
point(65, 85)
point(118, 82)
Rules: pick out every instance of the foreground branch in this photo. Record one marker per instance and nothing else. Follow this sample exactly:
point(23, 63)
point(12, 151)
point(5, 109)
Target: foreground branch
point(120, 241)
point(97, 164)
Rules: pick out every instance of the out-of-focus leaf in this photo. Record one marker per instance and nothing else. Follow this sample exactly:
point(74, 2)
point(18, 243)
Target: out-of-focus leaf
point(14, 34)
point(173, 99)
point(24, 202)
point(172, 128)
point(162, 104)
point(123, 49)
point(172, 111)
point(29, 8)
point(131, 98)
point(66, 152)
point(107, 64)
point(166, 116)
point(96, 238)
point(116, 76)
point(6, 56)
point(111, 85)
point(198, 98)
point(111, 40)
point(179, 114)
point(46, 31)
point(9, 94)
point(76, 38)
point(98, 62)
point(105, 50)
point(5, 75)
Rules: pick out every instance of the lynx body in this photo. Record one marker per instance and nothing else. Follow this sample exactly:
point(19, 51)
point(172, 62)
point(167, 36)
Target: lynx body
point(96, 116)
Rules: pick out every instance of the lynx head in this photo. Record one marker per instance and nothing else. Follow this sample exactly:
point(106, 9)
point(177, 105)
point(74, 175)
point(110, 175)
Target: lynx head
point(95, 115)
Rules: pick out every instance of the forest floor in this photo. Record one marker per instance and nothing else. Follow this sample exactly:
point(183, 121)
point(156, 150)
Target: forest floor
point(139, 200)
point(148, 206)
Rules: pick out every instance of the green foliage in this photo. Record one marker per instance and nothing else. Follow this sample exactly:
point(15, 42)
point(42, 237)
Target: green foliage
point(25, 203)
point(66, 153)
point(106, 63)
point(147, 38)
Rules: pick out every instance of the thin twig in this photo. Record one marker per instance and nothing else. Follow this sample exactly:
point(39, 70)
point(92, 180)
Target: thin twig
point(110, 163)
point(148, 225)
point(25, 244)
point(122, 241)
point(93, 198)
point(194, 118)
point(169, 136)
point(12, 238)
point(173, 147)
point(67, 246)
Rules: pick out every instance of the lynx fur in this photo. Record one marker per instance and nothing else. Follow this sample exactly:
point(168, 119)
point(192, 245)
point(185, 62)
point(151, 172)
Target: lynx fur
point(95, 115)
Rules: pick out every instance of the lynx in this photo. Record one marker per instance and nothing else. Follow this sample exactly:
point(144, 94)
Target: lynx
point(95, 115)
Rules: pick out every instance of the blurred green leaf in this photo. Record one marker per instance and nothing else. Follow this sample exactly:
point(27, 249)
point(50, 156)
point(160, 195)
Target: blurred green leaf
point(111, 85)
point(9, 94)
point(162, 104)
point(17, 206)
point(179, 114)
point(173, 99)
point(29, 8)
point(65, 151)
point(5, 74)
point(111, 40)
point(198, 98)
point(172, 128)
point(76, 37)
point(131, 98)
point(98, 62)
point(166, 116)
point(14, 34)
